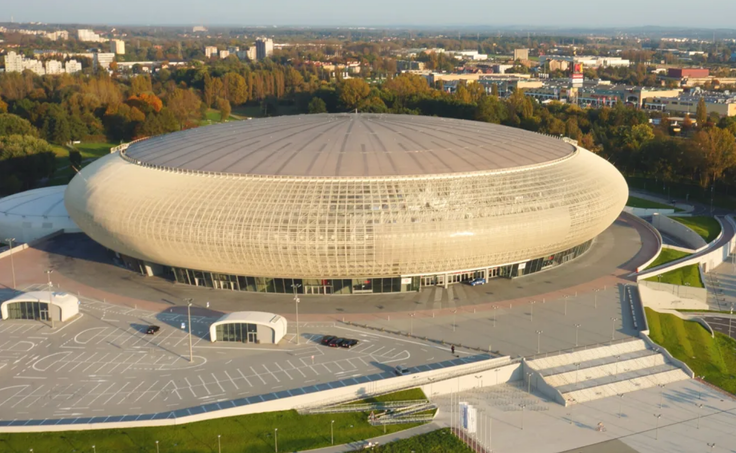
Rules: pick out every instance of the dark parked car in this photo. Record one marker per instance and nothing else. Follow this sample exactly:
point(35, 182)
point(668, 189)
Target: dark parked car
point(152, 329)
point(348, 343)
point(327, 338)
point(477, 281)
point(335, 342)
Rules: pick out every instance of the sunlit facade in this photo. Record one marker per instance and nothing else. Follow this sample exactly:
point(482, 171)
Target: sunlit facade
point(339, 204)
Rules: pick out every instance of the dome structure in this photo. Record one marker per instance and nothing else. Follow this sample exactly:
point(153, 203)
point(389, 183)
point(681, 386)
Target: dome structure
point(348, 197)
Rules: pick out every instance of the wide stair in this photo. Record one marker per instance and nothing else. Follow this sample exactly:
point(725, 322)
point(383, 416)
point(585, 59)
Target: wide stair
point(606, 371)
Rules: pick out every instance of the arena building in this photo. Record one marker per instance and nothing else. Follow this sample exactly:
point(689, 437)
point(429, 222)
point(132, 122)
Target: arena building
point(346, 203)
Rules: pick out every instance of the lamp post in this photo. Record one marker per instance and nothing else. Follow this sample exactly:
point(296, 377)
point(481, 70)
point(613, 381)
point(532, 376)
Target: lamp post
point(12, 264)
point(531, 311)
point(529, 383)
point(566, 298)
point(189, 327)
point(480, 380)
point(572, 404)
point(276, 440)
point(577, 326)
point(48, 312)
point(729, 319)
point(157, 447)
point(620, 403)
point(94, 450)
point(295, 287)
point(411, 323)
point(661, 393)
point(332, 432)
point(496, 373)
point(219, 447)
point(577, 369)
point(522, 415)
point(494, 315)
point(656, 430)
point(539, 335)
point(454, 312)
point(617, 357)
point(613, 328)
point(700, 410)
point(711, 445)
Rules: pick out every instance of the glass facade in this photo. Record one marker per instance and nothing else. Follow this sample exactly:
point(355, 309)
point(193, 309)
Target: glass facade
point(29, 310)
point(368, 285)
point(241, 332)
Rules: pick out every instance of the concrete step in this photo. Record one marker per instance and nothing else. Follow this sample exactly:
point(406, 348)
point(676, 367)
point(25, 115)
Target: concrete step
point(587, 355)
point(598, 362)
point(612, 370)
point(659, 375)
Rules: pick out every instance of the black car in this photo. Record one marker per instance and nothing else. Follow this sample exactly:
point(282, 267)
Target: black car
point(152, 330)
point(335, 342)
point(327, 338)
point(348, 343)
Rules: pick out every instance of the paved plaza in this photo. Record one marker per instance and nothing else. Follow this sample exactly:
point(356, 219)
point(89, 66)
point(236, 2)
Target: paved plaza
point(630, 423)
point(103, 365)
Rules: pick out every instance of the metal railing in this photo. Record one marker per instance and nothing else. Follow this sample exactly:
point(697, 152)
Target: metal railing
point(364, 407)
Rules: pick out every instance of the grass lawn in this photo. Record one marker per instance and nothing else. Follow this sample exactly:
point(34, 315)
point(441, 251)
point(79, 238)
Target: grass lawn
point(707, 227)
point(440, 441)
point(256, 111)
point(635, 202)
point(688, 275)
point(89, 152)
point(689, 341)
point(247, 433)
point(214, 116)
point(403, 395)
point(667, 256)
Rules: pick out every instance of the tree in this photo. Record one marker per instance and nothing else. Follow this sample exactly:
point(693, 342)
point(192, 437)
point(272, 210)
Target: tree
point(490, 109)
point(184, 104)
point(24, 159)
point(701, 114)
point(236, 89)
point(224, 107)
point(406, 85)
point(3, 107)
point(352, 92)
point(56, 127)
point(317, 105)
point(717, 150)
point(494, 90)
point(14, 125)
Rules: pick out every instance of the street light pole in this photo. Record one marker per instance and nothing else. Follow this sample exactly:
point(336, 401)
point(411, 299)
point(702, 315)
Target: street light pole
point(295, 287)
point(189, 326)
point(454, 312)
point(494, 315)
point(12, 264)
point(620, 403)
point(661, 393)
point(48, 312)
point(529, 383)
point(157, 447)
point(332, 432)
point(522, 415)
point(656, 431)
point(700, 410)
point(539, 335)
point(411, 323)
point(577, 326)
point(276, 440)
point(729, 319)
point(613, 328)
point(219, 448)
point(531, 311)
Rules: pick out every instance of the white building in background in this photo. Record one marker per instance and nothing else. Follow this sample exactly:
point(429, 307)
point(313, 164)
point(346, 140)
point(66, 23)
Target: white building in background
point(209, 51)
point(198, 28)
point(102, 60)
point(54, 67)
point(72, 66)
point(87, 35)
point(117, 46)
point(247, 54)
point(14, 62)
point(57, 35)
point(264, 48)
point(224, 54)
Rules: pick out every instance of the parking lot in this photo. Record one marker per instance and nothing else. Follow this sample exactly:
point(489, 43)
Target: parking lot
point(103, 363)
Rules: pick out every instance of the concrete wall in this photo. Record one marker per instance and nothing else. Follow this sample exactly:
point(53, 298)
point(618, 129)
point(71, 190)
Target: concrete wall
point(666, 353)
point(661, 296)
point(673, 228)
point(487, 378)
point(541, 385)
point(656, 233)
point(265, 334)
point(21, 247)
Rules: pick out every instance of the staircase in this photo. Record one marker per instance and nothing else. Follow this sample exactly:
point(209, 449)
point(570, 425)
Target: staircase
point(606, 371)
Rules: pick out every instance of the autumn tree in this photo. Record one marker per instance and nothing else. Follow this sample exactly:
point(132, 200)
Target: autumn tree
point(701, 114)
point(352, 92)
point(3, 107)
point(184, 104)
point(14, 125)
point(223, 105)
point(236, 90)
point(317, 105)
point(716, 148)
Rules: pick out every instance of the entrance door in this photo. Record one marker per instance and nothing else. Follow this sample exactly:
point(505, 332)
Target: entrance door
point(252, 337)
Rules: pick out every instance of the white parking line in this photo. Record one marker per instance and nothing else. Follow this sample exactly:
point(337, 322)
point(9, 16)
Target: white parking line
point(217, 382)
point(204, 385)
point(246, 379)
point(113, 395)
point(274, 376)
point(284, 371)
point(189, 386)
point(231, 380)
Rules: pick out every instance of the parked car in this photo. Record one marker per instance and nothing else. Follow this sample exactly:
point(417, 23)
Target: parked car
point(152, 330)
point(477, 281)
point(401, 370)
point(348, 343)
point(327, 338)
point(335, 342)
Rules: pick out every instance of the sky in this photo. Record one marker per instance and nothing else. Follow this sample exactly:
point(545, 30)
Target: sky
point(555, 13)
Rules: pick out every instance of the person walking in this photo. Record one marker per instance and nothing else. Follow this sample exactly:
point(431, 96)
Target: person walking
point(452, 348)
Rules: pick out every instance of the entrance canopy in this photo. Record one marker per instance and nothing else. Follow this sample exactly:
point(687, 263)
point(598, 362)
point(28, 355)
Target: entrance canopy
point(35, 305)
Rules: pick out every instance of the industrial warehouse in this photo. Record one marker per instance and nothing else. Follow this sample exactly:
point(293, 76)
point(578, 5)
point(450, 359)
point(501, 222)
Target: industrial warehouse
point(346, 203)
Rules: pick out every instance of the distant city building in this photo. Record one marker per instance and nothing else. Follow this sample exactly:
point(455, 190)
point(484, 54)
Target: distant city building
point(409, 65)
point(54, 67)
point(198, 28)
point(72, 66)
point(117, 46)
point(558, 65)
point(14, 62)
point(102, 60)
point(679, 73)
point(473, 55)
point(521, 54)
point(264, 48)
point(209, 51)
point(720, 103)
point(589, 61)
point(57, 35)
point(501, 68)
point(87, 35)
point(224, 54)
